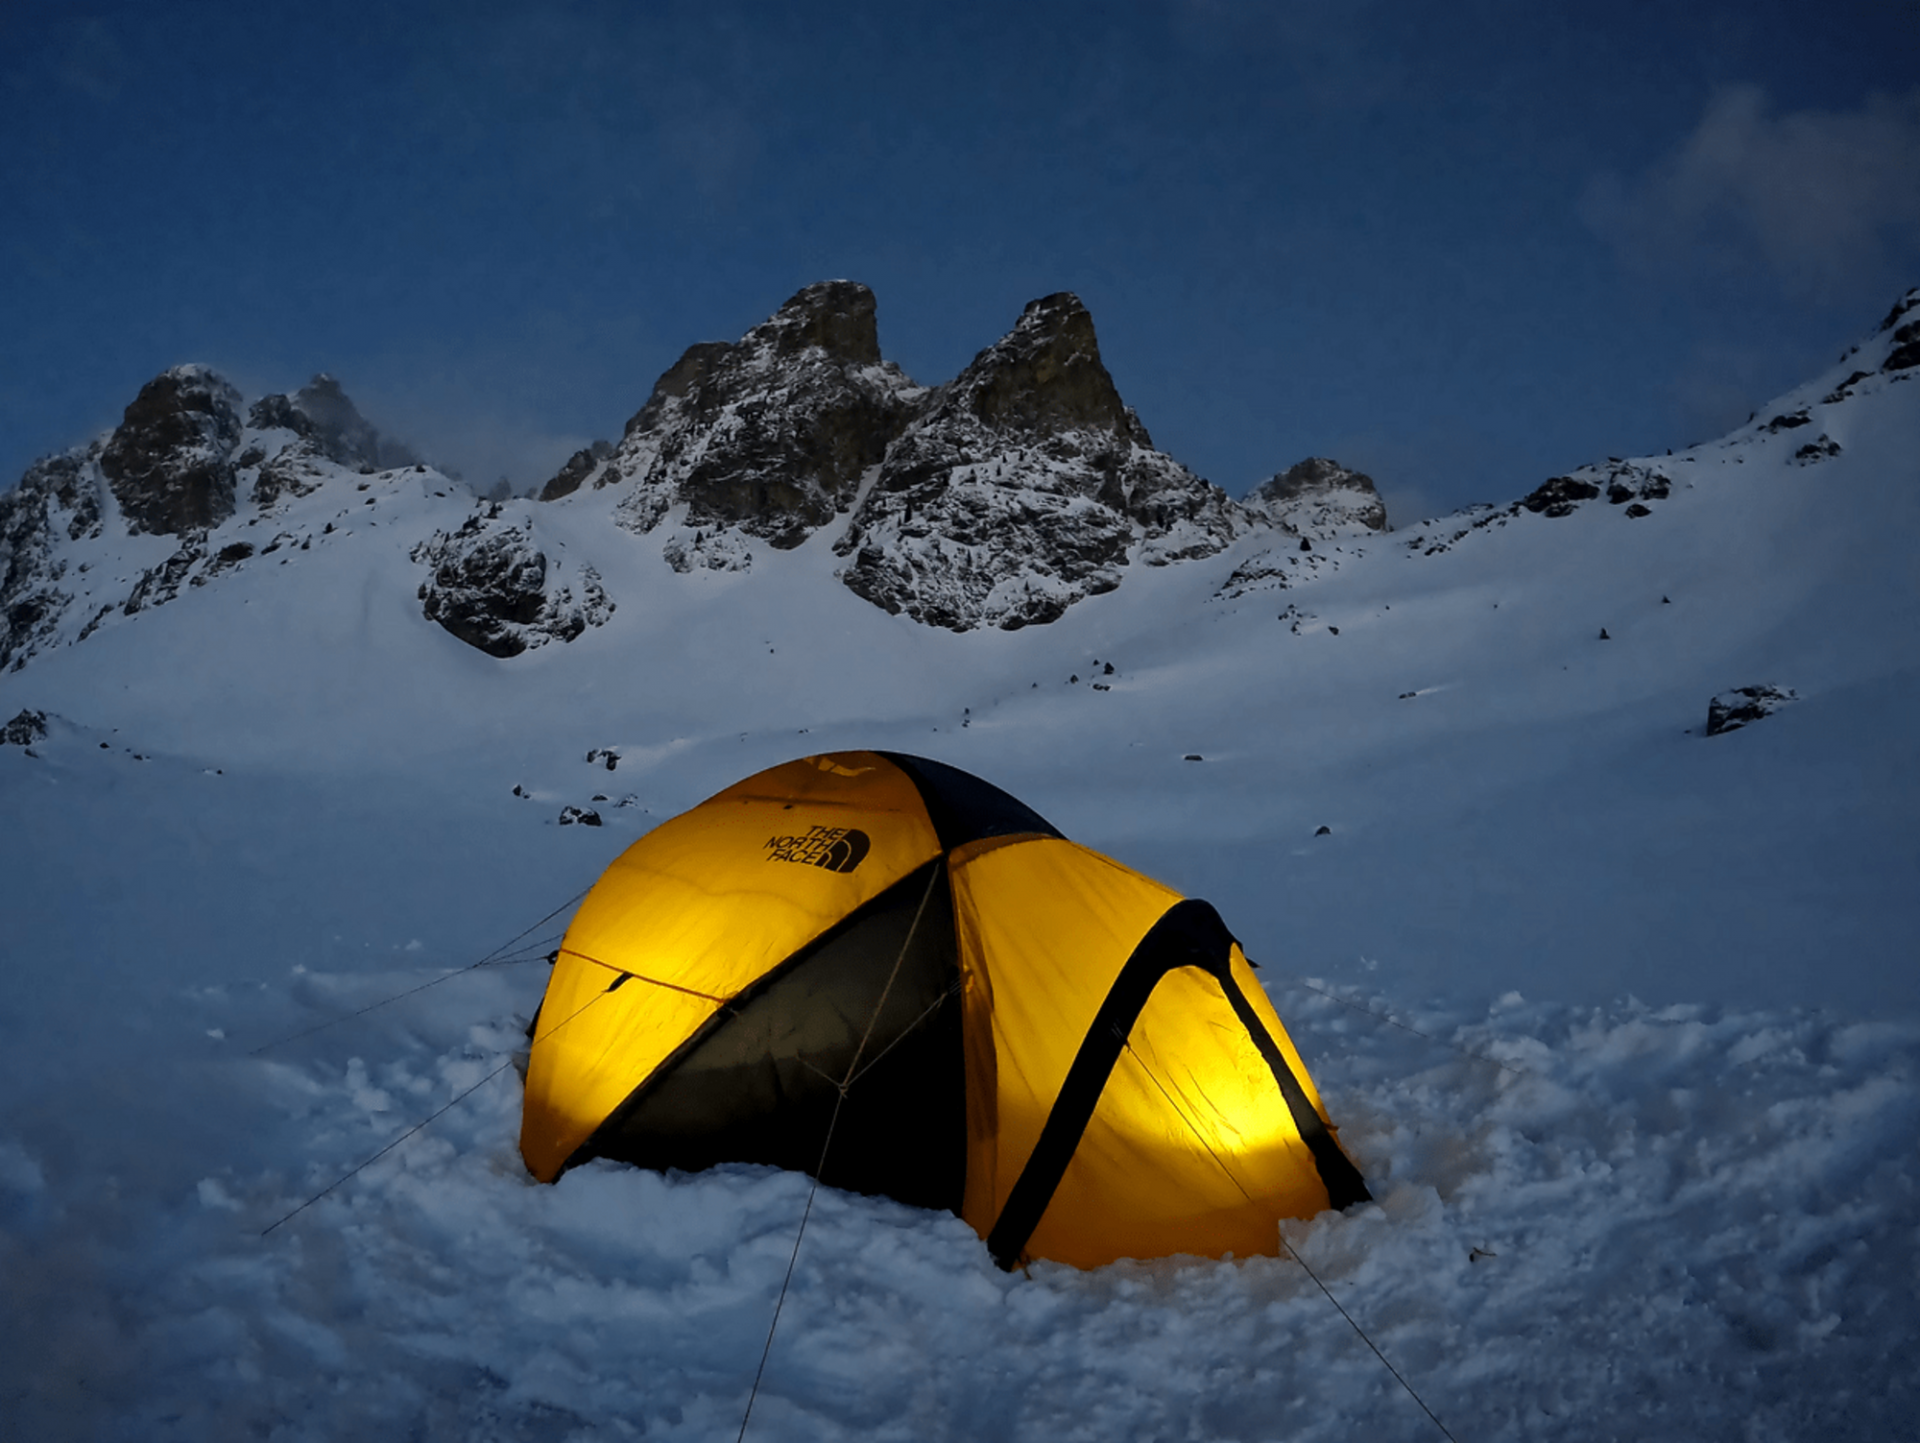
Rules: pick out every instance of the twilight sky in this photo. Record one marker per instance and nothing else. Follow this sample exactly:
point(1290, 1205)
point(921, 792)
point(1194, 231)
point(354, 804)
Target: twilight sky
point(1459, 245)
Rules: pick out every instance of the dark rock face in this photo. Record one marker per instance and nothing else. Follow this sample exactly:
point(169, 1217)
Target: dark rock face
point(1045, 376)
point(1623, 482)
point(582, 464)
point(1906, 333)
point(767, 437)
point(322, 413)
point(1025, 485)
point(493, 588)
point(160, 584)
point(25, 729)
point(1319, 495)
point(297, 469)
point(170, 463)
point(1558, 495)
point(58, 499)
point(1732, 710)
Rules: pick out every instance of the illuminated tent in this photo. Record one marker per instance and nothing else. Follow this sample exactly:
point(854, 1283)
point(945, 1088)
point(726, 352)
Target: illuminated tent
point(1067, 1054)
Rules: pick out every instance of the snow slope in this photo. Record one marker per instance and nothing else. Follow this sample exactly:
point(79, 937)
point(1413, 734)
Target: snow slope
point(1620, 1020)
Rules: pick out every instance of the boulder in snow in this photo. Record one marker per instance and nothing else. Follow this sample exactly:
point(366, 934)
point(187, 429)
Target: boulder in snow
point(1732, 710)
point(495, 589)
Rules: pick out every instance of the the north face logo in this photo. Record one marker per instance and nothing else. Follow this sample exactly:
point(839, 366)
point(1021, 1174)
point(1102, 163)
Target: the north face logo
point(838, 849)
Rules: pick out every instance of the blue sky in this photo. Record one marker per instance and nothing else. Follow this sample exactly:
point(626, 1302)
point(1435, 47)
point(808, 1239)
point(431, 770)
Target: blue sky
point(1463, 246)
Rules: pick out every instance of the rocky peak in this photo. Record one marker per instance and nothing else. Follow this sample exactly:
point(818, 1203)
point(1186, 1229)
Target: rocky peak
point(834, 317)
point(170, 461)
point(1045, 376)
point(1026, 485)
point(767, 437)
point(322, 412)
point(1318, 494)
point(678, 382)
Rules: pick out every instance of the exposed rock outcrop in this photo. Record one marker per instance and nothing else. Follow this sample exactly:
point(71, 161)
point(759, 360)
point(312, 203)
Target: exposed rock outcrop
point(495, 589)
point(1625, 483)
point(572, 476)
point(1734, 709)
point(768, 437)
point(1025, 485)
point(1319, 496)
point(57, 500)
point(1316, 501)
point(171, 461)
point(1904, 325)
point(323, 414)
point(26, 728)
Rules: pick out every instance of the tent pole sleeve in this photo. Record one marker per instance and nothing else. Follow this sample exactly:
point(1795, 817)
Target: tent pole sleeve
point(1342, 1179)
point(1188, 934)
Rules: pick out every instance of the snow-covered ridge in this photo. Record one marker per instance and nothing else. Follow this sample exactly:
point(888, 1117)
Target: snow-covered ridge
point(1802, 427)
point(185, 491)
point(999, 499)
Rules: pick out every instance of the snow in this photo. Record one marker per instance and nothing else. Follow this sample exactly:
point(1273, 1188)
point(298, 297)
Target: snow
point(1620, 1021)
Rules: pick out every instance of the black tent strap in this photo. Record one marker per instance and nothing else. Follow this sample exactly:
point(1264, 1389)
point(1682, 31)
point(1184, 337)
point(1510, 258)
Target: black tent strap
point(1188, 934)
point(1344, 1184)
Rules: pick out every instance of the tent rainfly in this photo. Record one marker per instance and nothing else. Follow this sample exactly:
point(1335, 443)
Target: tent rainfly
point(1069, 1055)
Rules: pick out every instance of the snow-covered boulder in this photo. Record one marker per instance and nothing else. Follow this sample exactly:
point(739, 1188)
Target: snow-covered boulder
point(26, 728)
point(1732, 710)
point(494, 588)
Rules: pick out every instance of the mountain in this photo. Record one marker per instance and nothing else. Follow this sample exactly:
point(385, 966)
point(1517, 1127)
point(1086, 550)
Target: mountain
point(998, 499)
point(1573, 836)
point(172, 497)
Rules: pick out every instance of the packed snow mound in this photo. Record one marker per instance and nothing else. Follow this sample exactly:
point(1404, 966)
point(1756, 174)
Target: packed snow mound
point(1024, 486)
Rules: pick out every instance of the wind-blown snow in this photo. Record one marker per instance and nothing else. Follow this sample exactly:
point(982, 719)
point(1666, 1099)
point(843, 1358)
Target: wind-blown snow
point(1620, 1021)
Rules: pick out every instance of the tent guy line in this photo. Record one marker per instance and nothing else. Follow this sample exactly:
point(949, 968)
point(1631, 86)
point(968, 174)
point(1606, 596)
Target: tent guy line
point(440, 1111)
point(495, 958)
point(1181, 1113)
point(854, 1072)
point(369, 1162)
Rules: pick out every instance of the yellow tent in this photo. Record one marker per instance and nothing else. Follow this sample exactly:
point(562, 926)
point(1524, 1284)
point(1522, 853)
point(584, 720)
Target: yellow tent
point(1067, 1054)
